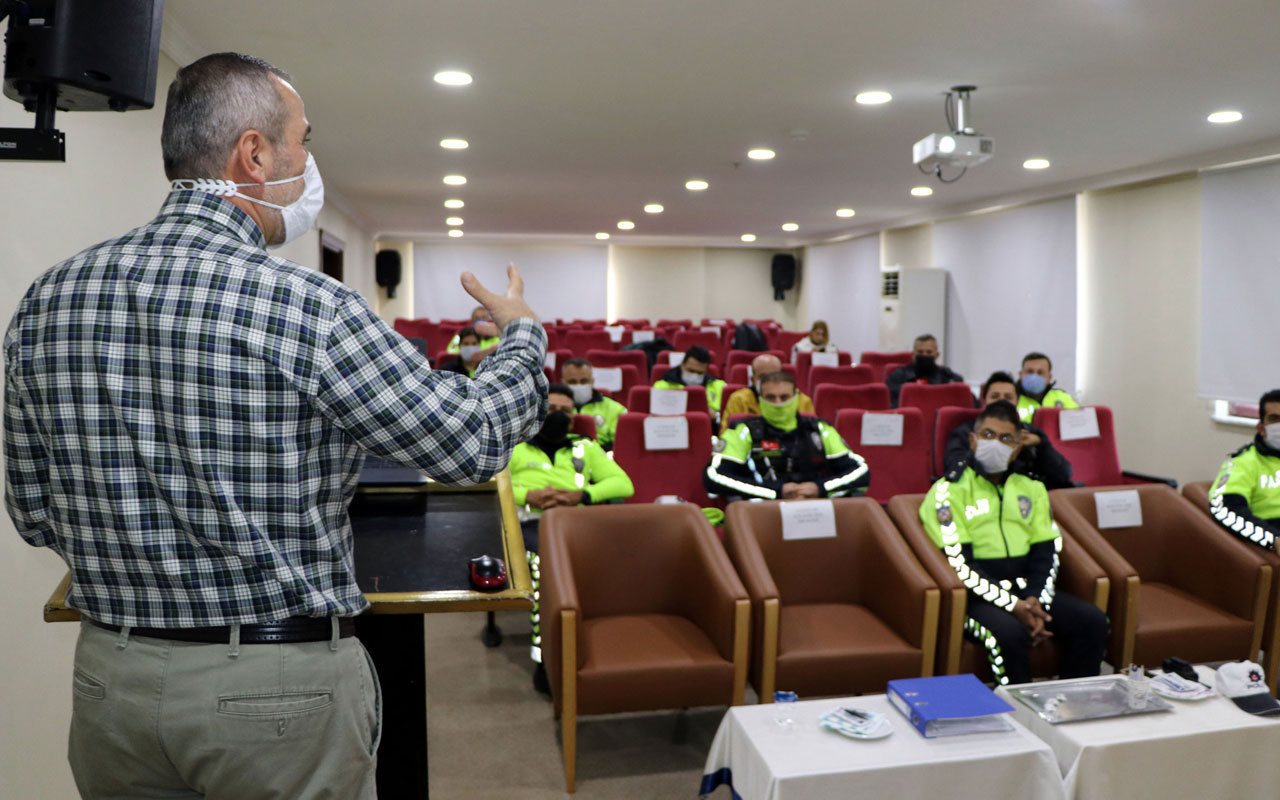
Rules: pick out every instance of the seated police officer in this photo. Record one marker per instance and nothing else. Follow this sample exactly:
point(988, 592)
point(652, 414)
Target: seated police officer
point(1038, 458)
point(693, 372)
point(994, 525)
point(467, 360)
point(1245, 499)
point(579, 376)
point(924, 368)
point(1036, 389)
point(782, 455)
point(558, 468)
point(747, 399)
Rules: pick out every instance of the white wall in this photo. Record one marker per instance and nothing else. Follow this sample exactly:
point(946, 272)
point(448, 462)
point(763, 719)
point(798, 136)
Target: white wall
point(907, 247)
point(739, 285)
point(112, 181)
point(1139, 340)
point(842, 287)
point(1012, 288)
point(560, 280)
point(697, 282)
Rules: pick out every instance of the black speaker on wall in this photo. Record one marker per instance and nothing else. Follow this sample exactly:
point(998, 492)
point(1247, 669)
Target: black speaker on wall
point(386, 270)
point(97, 55)
point(784, 274)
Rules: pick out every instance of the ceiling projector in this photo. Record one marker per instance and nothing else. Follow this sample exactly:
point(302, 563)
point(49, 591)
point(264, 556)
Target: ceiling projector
point(952, 149)
point(962, 148)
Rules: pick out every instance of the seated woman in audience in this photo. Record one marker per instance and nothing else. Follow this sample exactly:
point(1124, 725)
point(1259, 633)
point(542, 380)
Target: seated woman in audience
point(558, 468)
point(783, 455)
point(993, 522)
point(818, 341)
point(470, 354)
point(1037, 458)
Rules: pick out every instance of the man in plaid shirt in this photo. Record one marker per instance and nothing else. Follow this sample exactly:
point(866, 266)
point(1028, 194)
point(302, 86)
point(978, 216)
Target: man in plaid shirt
point(185, 421)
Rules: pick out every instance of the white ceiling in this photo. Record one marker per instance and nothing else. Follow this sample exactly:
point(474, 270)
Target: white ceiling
point(583, 111)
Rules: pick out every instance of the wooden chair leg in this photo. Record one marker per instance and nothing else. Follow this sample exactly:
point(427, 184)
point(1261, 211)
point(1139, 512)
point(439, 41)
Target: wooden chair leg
point(569, 705)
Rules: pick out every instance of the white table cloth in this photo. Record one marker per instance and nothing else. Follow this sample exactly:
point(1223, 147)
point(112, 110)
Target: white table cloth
point(1202, 749)
point(813, 763)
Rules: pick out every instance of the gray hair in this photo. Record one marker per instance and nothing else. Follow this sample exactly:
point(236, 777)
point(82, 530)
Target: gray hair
point(211, 103)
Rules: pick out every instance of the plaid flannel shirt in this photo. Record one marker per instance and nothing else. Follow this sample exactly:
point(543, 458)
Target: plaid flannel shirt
point(185, 417)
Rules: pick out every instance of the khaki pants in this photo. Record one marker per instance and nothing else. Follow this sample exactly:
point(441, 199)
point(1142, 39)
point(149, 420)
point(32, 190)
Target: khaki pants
point(155, 718)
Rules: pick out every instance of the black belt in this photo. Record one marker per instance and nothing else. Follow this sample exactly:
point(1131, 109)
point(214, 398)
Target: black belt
point(286, 631)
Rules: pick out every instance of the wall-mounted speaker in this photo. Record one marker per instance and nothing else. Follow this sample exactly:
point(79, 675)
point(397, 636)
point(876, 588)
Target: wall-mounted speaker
point(99, 55)
point(386, 270)
point(784, 274)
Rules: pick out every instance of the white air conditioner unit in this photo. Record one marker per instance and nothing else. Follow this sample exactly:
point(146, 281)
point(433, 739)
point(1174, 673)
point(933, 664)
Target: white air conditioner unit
point(913, 300)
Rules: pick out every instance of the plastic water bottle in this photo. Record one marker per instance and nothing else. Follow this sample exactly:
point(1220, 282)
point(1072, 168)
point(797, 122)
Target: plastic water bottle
point(784, 711)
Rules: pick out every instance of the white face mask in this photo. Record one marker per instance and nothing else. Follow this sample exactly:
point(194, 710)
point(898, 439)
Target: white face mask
point(299, 216)
point(1271, 435)
point(993, 455)
point(692, 378)
point(581, 393)
point(468, 351)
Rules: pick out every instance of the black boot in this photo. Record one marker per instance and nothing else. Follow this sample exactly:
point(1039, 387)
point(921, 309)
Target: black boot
point(540, 682)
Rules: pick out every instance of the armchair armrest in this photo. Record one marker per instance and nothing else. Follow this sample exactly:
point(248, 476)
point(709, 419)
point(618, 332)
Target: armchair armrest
point(744, 552)
point(1081, 574)
point(557, 593)
point(899, 587)
point(1138, 477)
point(904, 510)
point(1214, 565)
point(710, 588)
point(1122, 605)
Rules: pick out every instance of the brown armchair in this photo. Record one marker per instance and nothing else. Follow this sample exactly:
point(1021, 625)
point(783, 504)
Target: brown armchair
point(641, 610)
point(1078, 574)
point(1198, 494)
point(841, 615)
point(1180, 586)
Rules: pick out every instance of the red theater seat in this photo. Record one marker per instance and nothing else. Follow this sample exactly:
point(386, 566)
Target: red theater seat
point(895, 469)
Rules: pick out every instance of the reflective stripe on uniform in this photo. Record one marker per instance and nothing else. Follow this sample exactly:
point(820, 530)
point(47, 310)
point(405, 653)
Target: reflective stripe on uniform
point(1239, 525)
point(989, 643)
point(991, 592)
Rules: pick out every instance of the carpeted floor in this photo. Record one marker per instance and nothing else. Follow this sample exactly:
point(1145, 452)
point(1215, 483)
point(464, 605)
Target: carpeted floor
point(490, 735)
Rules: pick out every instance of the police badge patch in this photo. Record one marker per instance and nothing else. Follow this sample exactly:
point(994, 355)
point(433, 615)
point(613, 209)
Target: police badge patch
point(944, 515)
point(1024, 505)
point(599, 420)
point(717, 444)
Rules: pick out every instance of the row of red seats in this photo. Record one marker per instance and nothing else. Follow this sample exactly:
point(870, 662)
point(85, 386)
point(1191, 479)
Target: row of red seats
point(907, 468)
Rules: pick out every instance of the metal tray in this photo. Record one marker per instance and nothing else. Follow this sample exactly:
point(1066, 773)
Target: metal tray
point(1077, 700)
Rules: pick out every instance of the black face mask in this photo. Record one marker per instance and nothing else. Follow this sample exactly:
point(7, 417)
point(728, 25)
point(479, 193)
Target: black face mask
point(925, 365)
point(556, 427)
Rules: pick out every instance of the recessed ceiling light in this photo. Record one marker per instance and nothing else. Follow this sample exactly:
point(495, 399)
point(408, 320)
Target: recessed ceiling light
point(921, 191)
point(653, 208)
point(790, 226)
point(453, 221)
point(696, 185)
point(872, 98)
point(450, 77)
point(454, 144)
point(844, 212)
point(626, 225)
point(602, 236)
point(1036, 163)
point(1225, 117)
point(455, 233)
point(454, 204)
point(760, 154)
point(748, 237)
point(455, 180)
